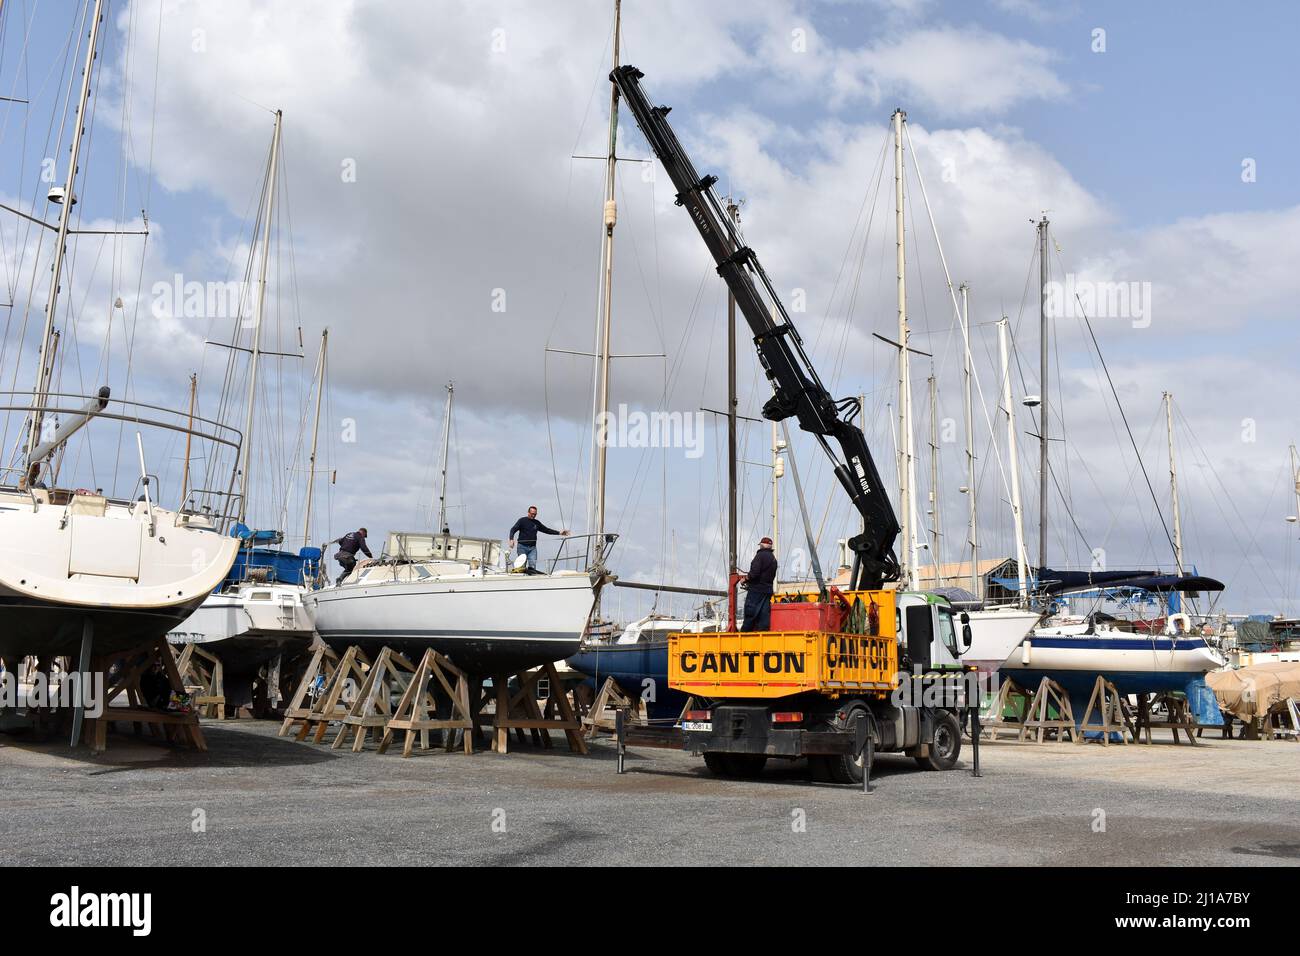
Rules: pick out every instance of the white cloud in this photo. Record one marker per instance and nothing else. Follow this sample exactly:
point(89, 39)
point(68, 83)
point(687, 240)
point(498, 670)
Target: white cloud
point(464, 185)
point(953, 71)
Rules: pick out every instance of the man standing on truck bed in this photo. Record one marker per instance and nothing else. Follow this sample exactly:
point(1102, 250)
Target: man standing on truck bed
point(525, 531)
point(760, 580)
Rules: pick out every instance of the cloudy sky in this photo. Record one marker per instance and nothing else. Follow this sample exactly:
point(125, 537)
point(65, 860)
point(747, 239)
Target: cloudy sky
point(433, 217)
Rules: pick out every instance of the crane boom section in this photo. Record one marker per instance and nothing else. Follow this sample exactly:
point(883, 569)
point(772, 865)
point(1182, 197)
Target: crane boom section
point(796, 388)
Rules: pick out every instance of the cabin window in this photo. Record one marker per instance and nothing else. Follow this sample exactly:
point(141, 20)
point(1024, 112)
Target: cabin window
point(948, 631)
point(260, 596)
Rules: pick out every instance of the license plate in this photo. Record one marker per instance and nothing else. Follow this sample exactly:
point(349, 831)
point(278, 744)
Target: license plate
point(697, 725)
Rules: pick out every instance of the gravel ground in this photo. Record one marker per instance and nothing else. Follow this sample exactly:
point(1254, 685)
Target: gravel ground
point(270, 800)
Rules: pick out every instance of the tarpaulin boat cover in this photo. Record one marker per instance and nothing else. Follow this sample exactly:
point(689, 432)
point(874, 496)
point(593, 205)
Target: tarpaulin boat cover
point(1254, 634)
point(1250, 692)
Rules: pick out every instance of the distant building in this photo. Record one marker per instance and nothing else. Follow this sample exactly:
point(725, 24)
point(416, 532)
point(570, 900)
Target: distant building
point(954, 574)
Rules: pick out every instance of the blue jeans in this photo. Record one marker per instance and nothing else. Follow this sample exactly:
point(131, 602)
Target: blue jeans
point(531, 551)
point(758, 611)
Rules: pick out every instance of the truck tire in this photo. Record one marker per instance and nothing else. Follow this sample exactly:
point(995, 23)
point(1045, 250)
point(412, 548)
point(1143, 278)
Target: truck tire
point(741, 766)
point(945, 747)
point(842, 768)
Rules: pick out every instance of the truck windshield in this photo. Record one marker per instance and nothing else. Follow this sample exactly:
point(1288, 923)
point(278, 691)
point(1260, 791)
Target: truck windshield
point(948, 632)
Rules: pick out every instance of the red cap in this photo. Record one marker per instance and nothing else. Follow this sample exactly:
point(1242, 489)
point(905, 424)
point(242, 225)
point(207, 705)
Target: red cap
point(764, 540)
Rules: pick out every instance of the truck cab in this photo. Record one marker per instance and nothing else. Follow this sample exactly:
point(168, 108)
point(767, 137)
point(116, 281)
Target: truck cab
point(929, 623)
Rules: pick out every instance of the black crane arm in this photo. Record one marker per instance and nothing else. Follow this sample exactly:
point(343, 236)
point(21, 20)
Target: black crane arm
point(796, 389)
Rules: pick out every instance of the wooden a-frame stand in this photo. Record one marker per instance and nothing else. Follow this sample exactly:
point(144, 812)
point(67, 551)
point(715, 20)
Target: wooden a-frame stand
point(1180, 717)
point(609, 696)
point(176, 728)
point(1049, 694)
point(1010, 695)
point(323, 661)
point(416, 714)
point(328, 707)
point(202, 671)
point(1112, 714)
point(372, 708)
point(519, 712)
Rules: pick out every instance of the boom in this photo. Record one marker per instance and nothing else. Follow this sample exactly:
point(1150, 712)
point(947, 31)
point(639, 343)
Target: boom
point(796, 389)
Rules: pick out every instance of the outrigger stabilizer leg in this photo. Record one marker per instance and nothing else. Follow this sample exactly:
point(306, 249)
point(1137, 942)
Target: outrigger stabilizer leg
point(865, 747)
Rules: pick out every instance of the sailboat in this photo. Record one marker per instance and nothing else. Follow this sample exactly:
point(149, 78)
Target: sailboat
point(258, 614)
point(1074, 650)
point(455, 594)
point(84, 572)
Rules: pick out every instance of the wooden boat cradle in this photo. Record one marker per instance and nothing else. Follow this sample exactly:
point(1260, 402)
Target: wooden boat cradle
point(414, 715)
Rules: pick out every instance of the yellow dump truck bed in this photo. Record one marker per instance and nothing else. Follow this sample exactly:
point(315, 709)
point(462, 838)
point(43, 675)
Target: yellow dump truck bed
point(767, 664)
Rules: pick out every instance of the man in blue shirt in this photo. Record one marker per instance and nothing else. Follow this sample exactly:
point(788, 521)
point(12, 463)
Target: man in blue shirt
point(524, 533)
point(760, 582)
point(349, 545)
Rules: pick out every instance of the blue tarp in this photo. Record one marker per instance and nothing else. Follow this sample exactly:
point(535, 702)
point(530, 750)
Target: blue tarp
point(284, 567)
point(1202, 703)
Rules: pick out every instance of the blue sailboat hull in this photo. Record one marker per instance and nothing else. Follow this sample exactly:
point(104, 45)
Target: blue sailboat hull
point(640, 670)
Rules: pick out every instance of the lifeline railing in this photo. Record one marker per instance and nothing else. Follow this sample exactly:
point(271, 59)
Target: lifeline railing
point(142, 415)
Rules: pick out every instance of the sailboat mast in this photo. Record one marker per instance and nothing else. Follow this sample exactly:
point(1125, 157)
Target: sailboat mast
point(1173, 483)
point(1017, 516)
point(315, 437)
point(934, 478)
point(46, 370)
point(906, 469)
point(189, 437)
point(446, 442)
point(256, 352)
point(778, 470)
point(969, 410)
point(1295, 476)
point(1043, 387)
point(610, 219)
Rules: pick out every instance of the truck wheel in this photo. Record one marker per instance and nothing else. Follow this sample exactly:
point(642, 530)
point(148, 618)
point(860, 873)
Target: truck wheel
point(743, 766)
point(843, 768)
point(945, 748)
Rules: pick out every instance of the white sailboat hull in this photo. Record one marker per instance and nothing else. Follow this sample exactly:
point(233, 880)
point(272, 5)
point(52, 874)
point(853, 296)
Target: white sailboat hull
point(131, 572)
point(995, 633)
point(1134, 663)
point(249, 626)
point(486, 624)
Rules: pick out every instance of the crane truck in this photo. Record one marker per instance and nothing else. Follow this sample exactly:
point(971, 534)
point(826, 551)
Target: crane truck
point(841, 674)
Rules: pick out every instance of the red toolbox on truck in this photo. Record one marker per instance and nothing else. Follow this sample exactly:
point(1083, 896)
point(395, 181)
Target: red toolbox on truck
point(809, 616)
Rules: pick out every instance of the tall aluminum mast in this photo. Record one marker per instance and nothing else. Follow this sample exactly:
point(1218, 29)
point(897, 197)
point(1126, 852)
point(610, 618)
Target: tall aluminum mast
point(969, 410)
point(268, 213)
point(67, 198)
point(446, 442)
point(1173, 484)
point(1017, 516)
point(607, 291)
point(907, 466)
point(1043, 459)
point(315, 436)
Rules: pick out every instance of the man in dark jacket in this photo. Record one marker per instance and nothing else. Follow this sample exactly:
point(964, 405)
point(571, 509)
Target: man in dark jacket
point(525, 532)
point(349, 545)
point(760, 581)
